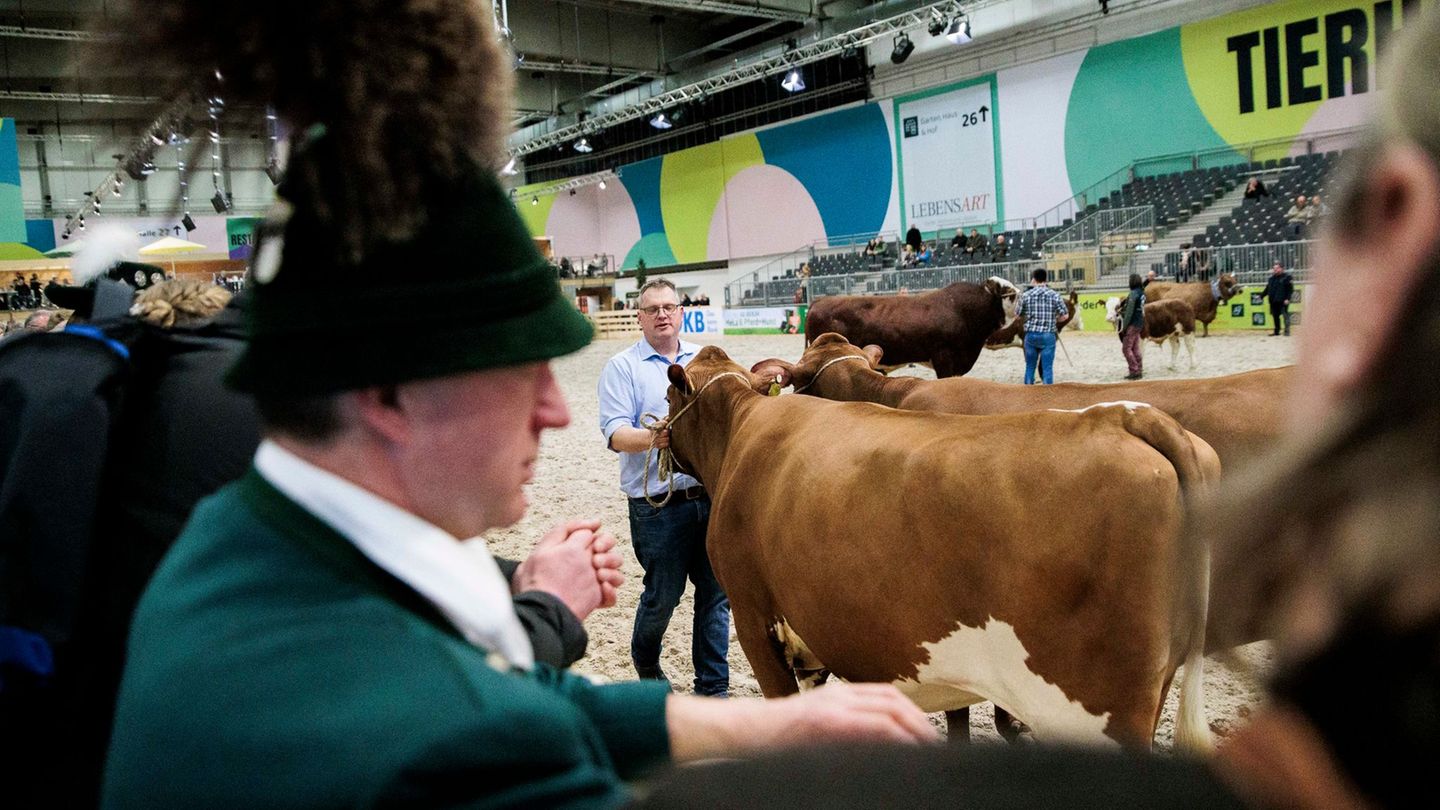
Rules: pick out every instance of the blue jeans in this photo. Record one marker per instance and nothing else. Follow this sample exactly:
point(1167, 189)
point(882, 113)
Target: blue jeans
point(1040, 346)
point(670, 544)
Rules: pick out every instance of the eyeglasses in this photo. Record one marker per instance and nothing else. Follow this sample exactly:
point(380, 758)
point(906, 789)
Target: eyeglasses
point(663, 309)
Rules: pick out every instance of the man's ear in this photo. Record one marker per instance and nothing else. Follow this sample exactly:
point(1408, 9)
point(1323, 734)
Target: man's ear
point(1371, 264)
point(1399, 220)
point(380, 410)
point(676, 373)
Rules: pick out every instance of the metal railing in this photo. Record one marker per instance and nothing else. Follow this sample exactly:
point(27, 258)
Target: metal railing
point(594, 266)
point(1093, 230)
point(1074, 206)
point(1249, 263)
point(890, 281)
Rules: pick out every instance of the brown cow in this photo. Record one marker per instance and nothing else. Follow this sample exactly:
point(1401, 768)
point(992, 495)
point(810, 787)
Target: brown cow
point(1171, 319)
point(967, 593)
point(1239, 415)
point(1205, 297)
point(945, 328)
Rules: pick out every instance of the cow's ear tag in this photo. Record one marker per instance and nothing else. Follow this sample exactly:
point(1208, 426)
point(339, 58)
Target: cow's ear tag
point(775, 387)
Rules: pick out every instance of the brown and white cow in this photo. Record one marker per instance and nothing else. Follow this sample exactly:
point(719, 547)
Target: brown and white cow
point(1205, 297)
point(966, 592)
point(945, 328)
point(1239, 415)
point(1171, 319)
point(1012, 334)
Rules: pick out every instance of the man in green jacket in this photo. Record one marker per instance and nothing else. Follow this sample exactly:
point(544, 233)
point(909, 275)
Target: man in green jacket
point(331, 629)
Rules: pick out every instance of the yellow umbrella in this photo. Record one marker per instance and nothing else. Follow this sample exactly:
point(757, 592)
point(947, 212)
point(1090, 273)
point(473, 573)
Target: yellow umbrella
point(170, 244)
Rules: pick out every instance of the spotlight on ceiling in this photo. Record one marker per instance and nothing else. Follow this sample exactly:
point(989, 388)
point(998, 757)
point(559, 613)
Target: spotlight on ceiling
point(583, 146)
point(937, 23)
point(959, 32)
point(660, 121)
point(793, 82)
point(903, 48)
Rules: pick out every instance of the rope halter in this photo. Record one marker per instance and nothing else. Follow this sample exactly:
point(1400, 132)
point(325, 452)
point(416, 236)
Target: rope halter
point(665, 459)
point(829, 363)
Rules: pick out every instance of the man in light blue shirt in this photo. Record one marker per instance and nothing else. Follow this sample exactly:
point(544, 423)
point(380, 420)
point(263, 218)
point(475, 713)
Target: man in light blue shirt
point(669, 541)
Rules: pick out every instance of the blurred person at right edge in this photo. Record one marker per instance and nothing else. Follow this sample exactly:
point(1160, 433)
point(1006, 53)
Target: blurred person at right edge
point(1345, 578)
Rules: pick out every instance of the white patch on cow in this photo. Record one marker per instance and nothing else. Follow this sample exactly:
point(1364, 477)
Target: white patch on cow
point(809, 671)
point(1112, 309)
point(990, 662)
point(1008, 298)
point(1123, 403)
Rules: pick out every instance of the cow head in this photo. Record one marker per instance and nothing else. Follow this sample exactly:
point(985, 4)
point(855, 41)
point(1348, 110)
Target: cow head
point(1228, 287)
point(827, 349)
point(1008, 294)
point(698, 393)
point(1112, 309)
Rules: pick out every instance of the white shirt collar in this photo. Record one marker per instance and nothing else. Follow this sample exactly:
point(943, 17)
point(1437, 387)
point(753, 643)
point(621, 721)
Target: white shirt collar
point(459, 577)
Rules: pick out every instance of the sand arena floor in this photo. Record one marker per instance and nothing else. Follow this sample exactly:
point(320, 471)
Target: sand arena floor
point(578, 477)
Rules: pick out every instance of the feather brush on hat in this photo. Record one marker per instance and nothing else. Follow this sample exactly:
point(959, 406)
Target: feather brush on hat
point(411, 89)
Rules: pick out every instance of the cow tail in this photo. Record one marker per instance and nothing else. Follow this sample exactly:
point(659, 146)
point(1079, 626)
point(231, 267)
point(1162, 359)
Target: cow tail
point(1197, 467)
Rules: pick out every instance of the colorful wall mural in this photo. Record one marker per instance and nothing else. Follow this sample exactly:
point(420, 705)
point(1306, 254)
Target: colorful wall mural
point(1283, 71)
point(14, 234)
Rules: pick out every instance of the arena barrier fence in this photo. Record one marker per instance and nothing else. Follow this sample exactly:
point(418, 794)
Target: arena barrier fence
point(615, 324)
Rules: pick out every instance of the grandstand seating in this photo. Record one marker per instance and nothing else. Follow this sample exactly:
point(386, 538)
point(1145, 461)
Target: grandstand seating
point(1262, 220)
point(1176, 197)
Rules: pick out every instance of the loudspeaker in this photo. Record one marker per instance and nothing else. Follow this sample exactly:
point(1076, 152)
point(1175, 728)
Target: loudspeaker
point(272, 171)
point(219, 202)
point(188, 223)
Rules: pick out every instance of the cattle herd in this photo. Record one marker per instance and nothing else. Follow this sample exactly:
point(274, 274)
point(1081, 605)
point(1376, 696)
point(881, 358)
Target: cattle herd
point(926, 548)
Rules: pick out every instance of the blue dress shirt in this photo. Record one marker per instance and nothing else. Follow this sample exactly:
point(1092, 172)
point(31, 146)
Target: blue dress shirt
point(634, 383)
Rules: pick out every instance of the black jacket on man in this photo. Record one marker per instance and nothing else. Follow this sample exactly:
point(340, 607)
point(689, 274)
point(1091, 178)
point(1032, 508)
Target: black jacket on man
point(1279, 289)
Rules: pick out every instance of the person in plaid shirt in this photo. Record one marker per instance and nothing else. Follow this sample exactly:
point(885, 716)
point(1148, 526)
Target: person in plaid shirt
point(1041, 307)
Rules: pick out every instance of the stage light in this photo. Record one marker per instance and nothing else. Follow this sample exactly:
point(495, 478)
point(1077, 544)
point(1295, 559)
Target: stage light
point(903, 48)
point(793, 82)
point(959, 32)
point(937, 23)
point(660, 121)
point(583, 146)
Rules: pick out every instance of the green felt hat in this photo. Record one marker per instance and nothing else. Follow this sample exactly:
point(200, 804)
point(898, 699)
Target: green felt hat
point(473, 291)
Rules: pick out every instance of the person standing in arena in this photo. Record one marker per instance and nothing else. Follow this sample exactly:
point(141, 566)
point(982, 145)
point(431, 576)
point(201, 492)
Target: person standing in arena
point(669, 539)
point(1279, 289)
point(1131, 326)
point(1042, 307)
